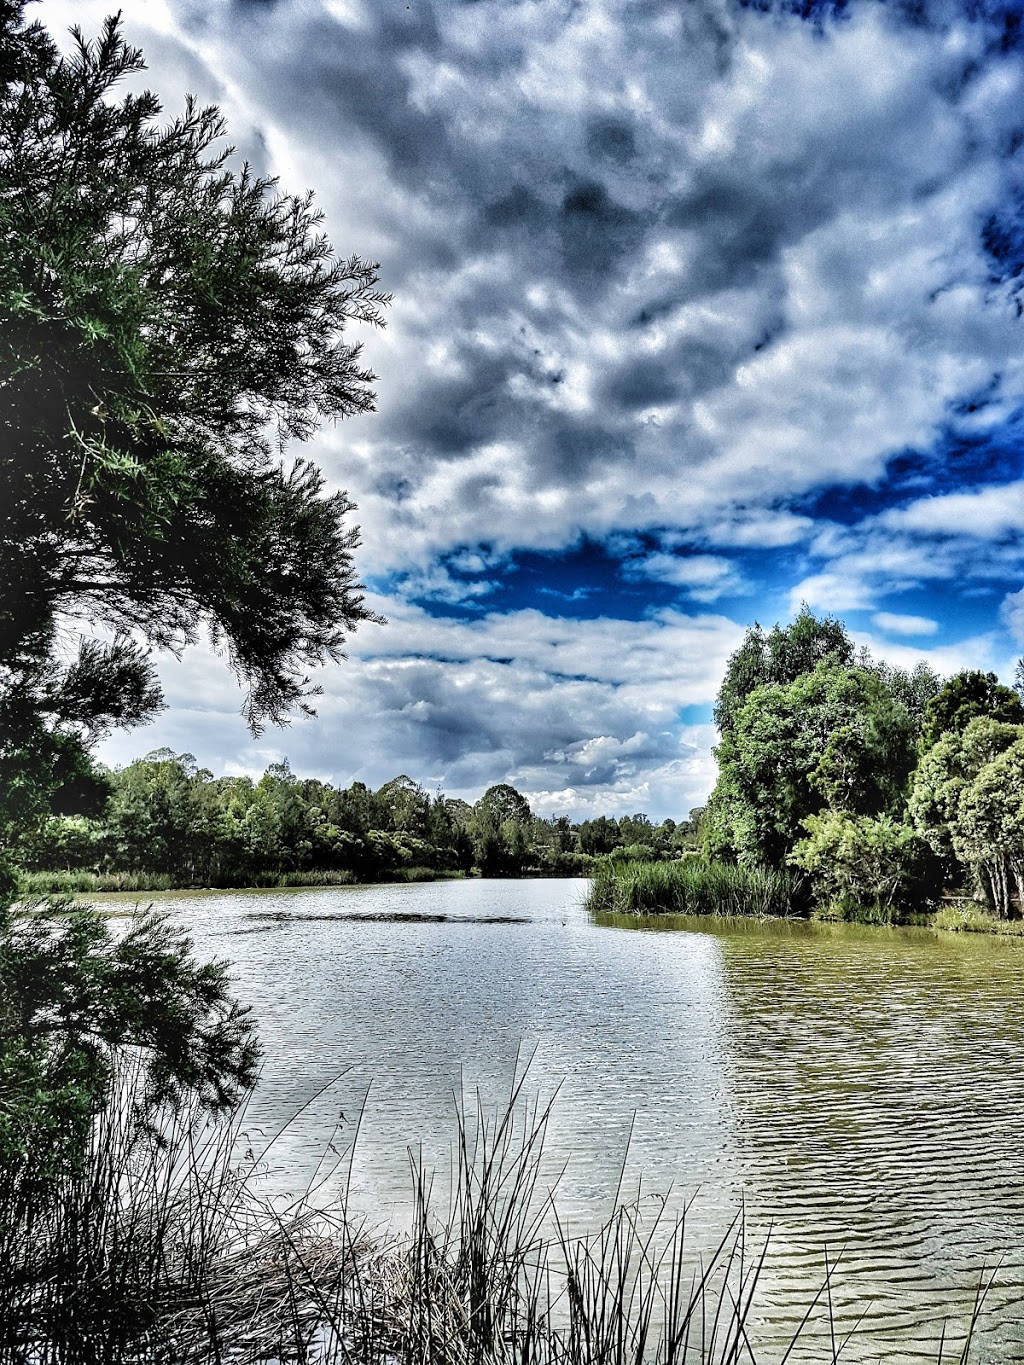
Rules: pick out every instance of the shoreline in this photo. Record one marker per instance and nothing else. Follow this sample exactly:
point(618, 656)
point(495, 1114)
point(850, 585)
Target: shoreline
point(961, 916)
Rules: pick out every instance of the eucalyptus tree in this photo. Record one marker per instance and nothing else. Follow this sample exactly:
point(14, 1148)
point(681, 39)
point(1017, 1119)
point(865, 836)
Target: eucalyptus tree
point(965, 697)
point(967, 800)
point(833, 739)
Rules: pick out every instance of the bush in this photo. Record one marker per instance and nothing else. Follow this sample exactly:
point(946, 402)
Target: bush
point(869, 868)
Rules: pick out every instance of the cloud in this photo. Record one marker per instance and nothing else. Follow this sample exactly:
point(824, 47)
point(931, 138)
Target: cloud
point(894, 624)
point(985, 513)
point(705, 578)
point(666, 278)
point(830, 592)
point(976, 651)
point(546, 703)
point(623, 299)
point(1012, 614)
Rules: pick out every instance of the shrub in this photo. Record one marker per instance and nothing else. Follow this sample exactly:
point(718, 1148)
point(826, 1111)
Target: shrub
point(866, 867)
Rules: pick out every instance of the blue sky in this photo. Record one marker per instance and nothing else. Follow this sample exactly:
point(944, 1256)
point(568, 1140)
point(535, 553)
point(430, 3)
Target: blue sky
point(702, 310)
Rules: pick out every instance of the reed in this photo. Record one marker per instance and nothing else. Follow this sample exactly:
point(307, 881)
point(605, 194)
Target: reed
point(63, 883)
point(328, 877)
point(158, 1249)
point(689, 887)
point(67, 883)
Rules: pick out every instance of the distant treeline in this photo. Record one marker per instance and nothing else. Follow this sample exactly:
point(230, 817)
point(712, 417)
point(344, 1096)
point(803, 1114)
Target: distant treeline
point(163, 821)
point(861, 791)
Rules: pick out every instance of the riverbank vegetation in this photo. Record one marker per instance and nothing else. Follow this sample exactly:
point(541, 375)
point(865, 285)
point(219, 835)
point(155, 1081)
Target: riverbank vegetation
point(690, 886)
point(158, 1241)
point(164, 823)
point(869, 792)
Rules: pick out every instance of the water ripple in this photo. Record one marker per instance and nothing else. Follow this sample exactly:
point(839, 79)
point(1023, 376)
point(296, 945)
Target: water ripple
point(852, 1090)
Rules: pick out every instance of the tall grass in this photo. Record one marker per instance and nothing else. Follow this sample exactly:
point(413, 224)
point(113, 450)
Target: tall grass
point(66, 883)
point(160, 1250)
point(329, 877)
point(689, 887)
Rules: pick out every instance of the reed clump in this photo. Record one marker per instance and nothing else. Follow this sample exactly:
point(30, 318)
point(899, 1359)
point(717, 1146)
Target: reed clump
point(159, 1249)
point(689, 887)
point(63, 883)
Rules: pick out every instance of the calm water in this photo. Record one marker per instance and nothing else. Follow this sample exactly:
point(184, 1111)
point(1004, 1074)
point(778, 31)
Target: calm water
point(851, 1088)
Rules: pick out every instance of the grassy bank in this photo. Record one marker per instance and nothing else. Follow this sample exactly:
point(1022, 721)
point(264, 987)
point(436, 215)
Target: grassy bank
point(970, 917)
point(68, 883)
point(689, 887)
point(160, 1248)
point(692, 887)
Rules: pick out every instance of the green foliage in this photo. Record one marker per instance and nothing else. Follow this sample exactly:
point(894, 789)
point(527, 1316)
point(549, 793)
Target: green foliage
point(160, 317)
point(988, 827)
point(965, 697)
point(50, 715)
point(688, 887)
point(970, 917)
point(818, 748)
point(832, 739)
point(503, 804)
point(874, 867)
point(780, 657)
point(73, 997)
point(966, 801)
point(169, 823)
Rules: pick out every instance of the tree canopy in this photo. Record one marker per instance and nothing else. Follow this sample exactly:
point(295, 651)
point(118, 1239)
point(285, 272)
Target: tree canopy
point(965, 697)
point(167, 323)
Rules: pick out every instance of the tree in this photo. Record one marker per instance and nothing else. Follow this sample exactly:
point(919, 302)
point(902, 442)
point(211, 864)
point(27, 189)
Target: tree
point(50, 715)
point(964, 697)
point(867, 862)
point(945, 771)
point(988, 827)
point(166, 324)
point(502, 802)
point(72, 999)
point(967, 800)
point(403, 807)
point(780, 657)
point(832, 739)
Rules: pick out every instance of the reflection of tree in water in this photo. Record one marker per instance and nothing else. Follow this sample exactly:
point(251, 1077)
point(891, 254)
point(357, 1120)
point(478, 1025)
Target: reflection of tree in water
point(878, 1112)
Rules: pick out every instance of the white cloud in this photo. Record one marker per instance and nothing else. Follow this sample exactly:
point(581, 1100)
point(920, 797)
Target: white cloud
point(705, 577)
point(830, 592)
point(545, 703)
point(895, 624)
point(771, 278)
point(656, 273)
point(976, 651)
point(1012, 613)
point(984, 513)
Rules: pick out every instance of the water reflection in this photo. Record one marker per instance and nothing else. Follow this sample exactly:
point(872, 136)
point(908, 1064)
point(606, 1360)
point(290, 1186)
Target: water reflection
point(858, 1088)
point(877, 1076)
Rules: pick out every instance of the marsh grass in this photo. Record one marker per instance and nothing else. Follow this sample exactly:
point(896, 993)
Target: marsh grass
point(32, 884)
point(161, 1250)
point(64, 883)
point(970, 917)
point(689, 887)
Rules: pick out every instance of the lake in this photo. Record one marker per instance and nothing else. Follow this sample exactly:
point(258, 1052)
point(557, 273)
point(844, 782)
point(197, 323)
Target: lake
point(854, 1088)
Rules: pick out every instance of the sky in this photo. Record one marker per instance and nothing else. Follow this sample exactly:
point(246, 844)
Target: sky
point(702, 310)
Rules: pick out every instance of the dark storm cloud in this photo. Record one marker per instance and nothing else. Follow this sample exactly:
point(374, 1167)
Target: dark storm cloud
point(545, 180)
